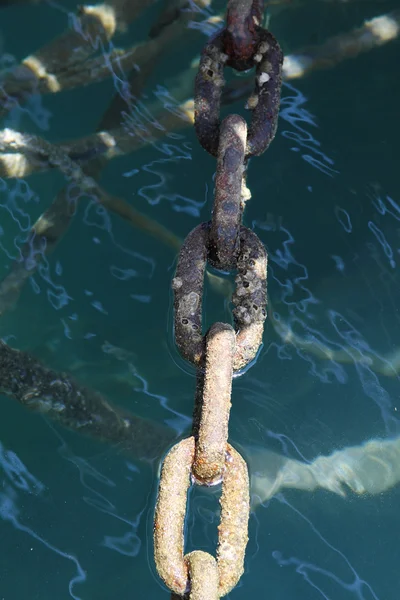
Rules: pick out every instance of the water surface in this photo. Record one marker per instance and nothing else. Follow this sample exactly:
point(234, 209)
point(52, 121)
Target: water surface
point(76, 513)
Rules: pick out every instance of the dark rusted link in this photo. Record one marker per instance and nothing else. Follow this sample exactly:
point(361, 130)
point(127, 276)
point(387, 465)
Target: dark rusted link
point(188, 291)
point(264, 102)
point(207, 95)
point(243, 21)
point(228, 203)
point(249, 297)
point(266, 97)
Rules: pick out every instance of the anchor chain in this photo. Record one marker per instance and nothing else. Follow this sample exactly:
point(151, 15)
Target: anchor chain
point(206, 458)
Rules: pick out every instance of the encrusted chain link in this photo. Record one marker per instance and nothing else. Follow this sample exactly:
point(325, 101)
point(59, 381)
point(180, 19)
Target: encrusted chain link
point(206, 458)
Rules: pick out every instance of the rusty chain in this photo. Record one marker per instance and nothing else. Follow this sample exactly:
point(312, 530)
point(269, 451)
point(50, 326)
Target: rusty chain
point(206, 458)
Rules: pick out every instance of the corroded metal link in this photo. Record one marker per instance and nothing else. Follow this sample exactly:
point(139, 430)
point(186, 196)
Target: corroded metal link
point(169, 516)
point(233, 526)
point(216, 404)
point(266, 95)
point(208, 88)
point(188, 291)
point(249, 298)
point(264, 102)
point(203, 576)
point(229, 187)
point(243, 19)
point(171, 565)
point(206, 458)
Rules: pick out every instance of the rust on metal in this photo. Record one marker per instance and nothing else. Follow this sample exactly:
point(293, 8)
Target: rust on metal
point(170, 516)
point(208, 88)
point(228, 206)
point(188, 293)
point(264, 102)
point(233, 527)
point(267, 94)
point(216, 404)
point(227, 246)
point(243, 20)
point(249, 297)
point(203, 576)
point(172, 566)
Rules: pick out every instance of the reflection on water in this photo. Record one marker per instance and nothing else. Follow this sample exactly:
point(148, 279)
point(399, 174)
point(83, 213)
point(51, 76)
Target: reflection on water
point(88, 241)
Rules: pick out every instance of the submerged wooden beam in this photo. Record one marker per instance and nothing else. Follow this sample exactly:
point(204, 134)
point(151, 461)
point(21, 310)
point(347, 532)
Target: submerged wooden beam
point(92, 27)
point(62, 399)
point(114, 141)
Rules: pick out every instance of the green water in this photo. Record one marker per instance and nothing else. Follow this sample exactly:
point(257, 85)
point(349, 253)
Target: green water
point(76, 514)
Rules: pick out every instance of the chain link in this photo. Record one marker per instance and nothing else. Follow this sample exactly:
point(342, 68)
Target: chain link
point(172, 565)
point(215, 403)
point(249, 298)
point(230, 194)
point(206, 458)
point(243, 18)
point(263, 103)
